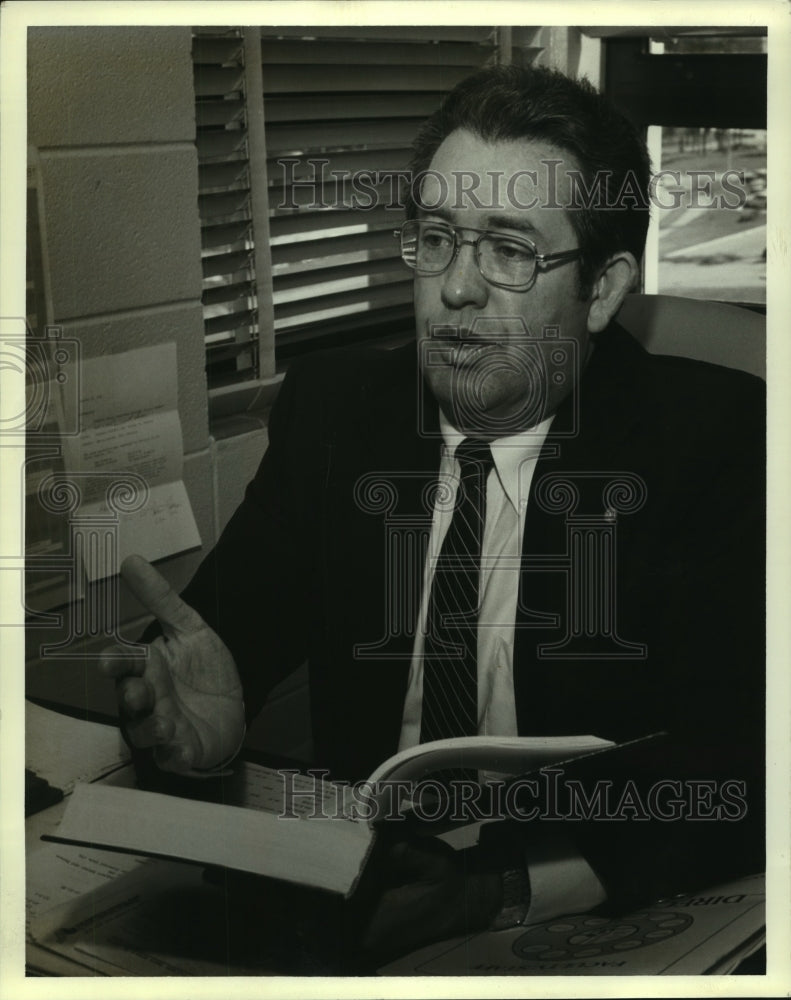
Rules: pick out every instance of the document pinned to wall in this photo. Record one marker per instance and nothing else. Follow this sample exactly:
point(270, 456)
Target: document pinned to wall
point(126, 462)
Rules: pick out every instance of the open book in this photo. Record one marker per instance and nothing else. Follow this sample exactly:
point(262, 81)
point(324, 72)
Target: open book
point(324, 847)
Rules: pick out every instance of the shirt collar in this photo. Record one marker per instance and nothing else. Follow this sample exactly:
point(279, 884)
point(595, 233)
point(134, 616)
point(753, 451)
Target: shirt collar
point(510, 453)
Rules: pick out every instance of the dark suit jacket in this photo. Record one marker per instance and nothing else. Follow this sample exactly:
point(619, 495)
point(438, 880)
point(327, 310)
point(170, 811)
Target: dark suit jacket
point(305, 570)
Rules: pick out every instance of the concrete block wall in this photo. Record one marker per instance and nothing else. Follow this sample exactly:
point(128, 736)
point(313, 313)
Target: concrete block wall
point(111, 126)
point(111, 122)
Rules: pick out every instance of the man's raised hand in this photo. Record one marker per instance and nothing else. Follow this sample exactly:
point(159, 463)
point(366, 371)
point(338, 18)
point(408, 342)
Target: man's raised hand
point(184, 700)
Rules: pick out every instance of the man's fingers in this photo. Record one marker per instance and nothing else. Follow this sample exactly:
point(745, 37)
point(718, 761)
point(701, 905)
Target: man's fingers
point(135, 697)
point(151, 731)
point(174, 757)
point(158, 597)
point(116, 662)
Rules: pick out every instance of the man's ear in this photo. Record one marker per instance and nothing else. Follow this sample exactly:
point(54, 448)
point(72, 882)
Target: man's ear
point(616, 279)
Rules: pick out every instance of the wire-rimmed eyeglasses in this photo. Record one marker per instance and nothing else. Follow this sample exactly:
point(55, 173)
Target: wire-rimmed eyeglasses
point(429, 248)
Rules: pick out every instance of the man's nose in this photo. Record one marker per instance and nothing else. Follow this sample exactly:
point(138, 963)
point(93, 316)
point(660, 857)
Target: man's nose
point(462, 283)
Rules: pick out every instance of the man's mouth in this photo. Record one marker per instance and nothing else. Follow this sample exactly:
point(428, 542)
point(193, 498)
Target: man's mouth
point(461, 346)
point(460, 353)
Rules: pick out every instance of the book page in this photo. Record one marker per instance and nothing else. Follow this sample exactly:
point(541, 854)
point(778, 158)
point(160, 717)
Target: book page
point(495, 754)
point(285, 790)
point(324, 853)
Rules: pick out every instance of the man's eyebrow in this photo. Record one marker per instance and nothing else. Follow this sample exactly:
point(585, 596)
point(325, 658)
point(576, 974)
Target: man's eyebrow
point(441, 213)
point(494, 222)
point(512, 222)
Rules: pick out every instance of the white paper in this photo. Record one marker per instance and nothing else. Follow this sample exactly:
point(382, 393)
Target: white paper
point(127, 926)
point(130, 442)
point(59, 878)
point(103, 910)
point(59, 875)
point(65, 750)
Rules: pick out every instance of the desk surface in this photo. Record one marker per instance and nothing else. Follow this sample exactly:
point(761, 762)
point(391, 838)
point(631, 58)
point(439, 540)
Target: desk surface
point(175, 922)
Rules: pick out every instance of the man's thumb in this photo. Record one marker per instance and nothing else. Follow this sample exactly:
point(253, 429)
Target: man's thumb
point(158, 597)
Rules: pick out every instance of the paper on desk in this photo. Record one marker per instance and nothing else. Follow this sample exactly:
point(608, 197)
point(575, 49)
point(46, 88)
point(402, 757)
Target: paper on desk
point(156, 919)
point(58, 876)
point(130, 437)
point(89, 909)
point(122, 915)
point(65, 750)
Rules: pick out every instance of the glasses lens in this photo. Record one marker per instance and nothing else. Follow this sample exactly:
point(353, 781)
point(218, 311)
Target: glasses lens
point(427, 246)
point(506, 260)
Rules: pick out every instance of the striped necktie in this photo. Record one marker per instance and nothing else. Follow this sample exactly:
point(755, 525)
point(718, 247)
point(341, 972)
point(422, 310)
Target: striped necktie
point(450, 655)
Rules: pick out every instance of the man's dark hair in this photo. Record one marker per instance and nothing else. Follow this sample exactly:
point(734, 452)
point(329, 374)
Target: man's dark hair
point(511, 102)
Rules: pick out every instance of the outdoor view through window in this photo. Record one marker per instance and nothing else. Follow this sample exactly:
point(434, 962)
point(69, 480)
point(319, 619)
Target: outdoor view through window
point(713, 246)
point(704, 251)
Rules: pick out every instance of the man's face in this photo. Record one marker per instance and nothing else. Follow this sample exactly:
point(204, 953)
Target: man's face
point(483, 349)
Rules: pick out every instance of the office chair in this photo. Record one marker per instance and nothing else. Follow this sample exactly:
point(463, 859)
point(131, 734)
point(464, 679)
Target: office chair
point(697, 328)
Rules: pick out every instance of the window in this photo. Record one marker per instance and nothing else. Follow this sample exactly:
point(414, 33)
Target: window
point(706, 251)
point(701, 96)
point(341, 106)
point(341, 112)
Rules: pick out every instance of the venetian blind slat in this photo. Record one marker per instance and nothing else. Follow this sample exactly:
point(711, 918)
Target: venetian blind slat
point(355, 97)
point(342, 108)
point(227, 238)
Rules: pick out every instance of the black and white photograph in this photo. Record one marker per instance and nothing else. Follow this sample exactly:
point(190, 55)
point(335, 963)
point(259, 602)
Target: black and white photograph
point(394, 524)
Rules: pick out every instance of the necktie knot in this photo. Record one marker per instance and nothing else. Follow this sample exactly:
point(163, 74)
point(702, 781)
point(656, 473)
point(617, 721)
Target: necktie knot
point(474, 457)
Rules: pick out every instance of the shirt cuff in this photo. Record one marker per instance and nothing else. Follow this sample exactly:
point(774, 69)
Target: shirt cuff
point(561, 880)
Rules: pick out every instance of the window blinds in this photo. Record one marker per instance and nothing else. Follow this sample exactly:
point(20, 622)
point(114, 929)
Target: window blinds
point(341, 107)
point(224, 205)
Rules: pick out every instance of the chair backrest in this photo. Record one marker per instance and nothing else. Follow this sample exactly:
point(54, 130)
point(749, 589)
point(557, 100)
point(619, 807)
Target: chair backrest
point(696, 328)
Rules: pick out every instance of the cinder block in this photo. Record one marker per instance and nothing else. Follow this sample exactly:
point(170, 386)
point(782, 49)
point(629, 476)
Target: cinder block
point(103, 85)
point(182, 324)
point(121, 230)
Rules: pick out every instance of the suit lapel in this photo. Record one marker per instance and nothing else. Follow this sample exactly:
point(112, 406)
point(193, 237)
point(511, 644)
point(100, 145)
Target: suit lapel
point(390, 475)
point(392, 470)
point(589, 439)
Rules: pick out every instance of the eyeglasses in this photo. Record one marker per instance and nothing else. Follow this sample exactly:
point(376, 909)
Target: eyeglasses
point(429, 248)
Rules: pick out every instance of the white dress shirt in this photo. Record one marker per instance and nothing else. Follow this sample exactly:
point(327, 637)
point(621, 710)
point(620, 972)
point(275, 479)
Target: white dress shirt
point(507, 491)
point(561, 880)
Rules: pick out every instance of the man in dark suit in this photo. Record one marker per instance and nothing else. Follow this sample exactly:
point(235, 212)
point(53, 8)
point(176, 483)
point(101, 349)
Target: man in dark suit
point(619, 543)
